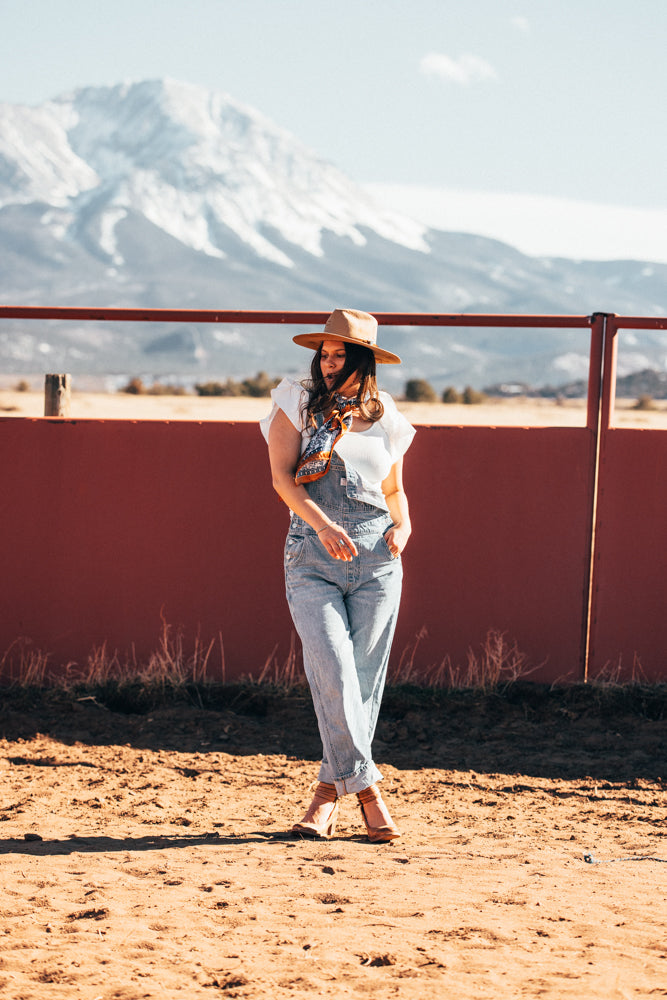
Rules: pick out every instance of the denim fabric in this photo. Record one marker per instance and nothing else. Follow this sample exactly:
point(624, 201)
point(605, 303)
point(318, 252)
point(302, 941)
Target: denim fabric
point(351, 481)
point(345, 614)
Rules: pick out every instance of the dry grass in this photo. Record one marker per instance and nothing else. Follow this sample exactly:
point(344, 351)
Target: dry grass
point(611, 673)
point(169, 665)
point(23, 665)
point(289, 674)
point(496, 665)
point(174, 673)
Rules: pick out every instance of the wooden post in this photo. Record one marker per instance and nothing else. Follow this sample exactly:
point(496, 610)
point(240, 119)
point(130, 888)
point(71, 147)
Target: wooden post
point(57, 395)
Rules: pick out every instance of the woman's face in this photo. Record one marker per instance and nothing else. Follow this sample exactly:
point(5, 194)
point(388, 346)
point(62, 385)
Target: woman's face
point(332, 361)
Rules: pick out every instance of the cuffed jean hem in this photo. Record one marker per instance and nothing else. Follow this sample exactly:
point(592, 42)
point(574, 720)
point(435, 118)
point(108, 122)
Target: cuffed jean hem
point(364, 778)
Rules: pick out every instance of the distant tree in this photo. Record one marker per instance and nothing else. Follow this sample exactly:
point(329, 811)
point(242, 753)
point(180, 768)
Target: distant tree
point(472, 397)
point(162, 389)
point(645, 402)
point(451, 395)
point(22, 386)
point(227, 388)
point(418, 390)
point(135, 387)
point(260, 385)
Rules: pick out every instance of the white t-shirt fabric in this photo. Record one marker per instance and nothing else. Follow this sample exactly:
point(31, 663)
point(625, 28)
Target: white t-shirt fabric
point(371, 453)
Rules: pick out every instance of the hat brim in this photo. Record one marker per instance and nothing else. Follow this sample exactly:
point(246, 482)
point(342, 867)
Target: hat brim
point(313, 341)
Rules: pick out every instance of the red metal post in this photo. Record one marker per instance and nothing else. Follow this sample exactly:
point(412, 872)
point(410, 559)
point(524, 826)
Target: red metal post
point(609, 373)
point(595, 371)
point(595, 393)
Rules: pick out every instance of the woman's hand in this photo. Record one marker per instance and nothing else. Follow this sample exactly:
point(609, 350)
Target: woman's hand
point(337, 542)
point(284, 450)
point(397, 538)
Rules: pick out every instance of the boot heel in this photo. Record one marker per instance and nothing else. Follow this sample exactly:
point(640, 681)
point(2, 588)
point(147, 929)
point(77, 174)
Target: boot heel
point(320, 821)
point(385, 831)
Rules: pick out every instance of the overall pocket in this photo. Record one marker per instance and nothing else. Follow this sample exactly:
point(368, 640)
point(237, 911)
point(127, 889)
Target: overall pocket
point(294, 549)
point(385, 544)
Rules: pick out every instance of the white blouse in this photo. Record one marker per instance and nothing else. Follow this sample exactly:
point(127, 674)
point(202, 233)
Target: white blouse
point(371, 453)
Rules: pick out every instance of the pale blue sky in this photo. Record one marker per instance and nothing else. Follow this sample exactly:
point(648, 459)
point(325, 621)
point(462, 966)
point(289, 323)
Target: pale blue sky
point(565, 98)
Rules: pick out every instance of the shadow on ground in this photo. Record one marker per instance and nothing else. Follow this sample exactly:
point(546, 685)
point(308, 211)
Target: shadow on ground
point(613, 733)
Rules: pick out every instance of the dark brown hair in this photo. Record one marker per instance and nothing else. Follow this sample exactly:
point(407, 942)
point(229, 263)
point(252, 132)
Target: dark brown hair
point(358, 359)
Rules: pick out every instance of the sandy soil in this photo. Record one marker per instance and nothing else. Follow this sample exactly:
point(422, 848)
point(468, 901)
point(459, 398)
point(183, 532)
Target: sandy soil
point(147, 856)
point(497, 412)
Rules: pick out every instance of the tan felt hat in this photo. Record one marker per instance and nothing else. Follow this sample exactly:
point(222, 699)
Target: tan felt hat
point(351, 327)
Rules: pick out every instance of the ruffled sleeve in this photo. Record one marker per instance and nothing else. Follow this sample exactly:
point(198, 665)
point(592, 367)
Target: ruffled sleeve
point(399, 430)
point(287, 396)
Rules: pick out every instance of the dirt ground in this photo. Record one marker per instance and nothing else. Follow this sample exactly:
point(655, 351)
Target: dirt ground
point(147, 854)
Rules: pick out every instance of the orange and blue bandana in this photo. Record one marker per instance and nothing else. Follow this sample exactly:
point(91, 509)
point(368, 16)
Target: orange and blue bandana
point(315, 461)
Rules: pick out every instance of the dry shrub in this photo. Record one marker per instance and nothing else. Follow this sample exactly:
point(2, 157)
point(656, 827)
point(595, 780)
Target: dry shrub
point(167, 389)
point(497, 665)
point(136, 387)
point(406, 672)
point(418, 390)
point(289, 674)
point(226, 388)
point(24, 665)
point(171, 667)
point(168, 666)
point(473, 397)
point(260, 385)
point(451, 395)
point(610, 674)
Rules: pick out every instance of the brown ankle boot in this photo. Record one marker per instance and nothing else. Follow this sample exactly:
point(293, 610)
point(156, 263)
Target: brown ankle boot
point(321, 815)
point(384, 830)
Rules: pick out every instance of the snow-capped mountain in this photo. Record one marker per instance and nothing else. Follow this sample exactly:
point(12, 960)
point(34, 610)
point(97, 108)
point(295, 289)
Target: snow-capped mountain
point(162, 193)
point(196, 164)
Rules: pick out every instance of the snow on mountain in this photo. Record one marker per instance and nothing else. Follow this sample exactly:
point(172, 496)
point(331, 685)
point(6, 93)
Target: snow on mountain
point(191, 162)
point(37, 162)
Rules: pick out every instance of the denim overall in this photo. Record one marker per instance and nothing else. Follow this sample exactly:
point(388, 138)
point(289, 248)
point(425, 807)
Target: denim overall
point(345, 614)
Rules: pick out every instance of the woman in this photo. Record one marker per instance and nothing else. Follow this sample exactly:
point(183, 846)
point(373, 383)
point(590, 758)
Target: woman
point(336, 448)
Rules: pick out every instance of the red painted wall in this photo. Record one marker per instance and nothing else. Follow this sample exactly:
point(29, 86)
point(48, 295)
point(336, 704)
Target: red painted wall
point(629, 607)
point(107, 525)
point(501, 538)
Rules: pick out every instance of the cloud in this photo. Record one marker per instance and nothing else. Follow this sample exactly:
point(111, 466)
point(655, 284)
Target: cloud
point(464, 70)
point(521, 24)
point(539, 225)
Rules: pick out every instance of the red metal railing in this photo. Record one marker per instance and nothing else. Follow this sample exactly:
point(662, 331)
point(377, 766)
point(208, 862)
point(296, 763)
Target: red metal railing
point(318, 318)
point(283, 316)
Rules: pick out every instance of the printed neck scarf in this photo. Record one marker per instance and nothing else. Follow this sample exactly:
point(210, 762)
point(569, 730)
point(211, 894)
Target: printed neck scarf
point(315, 461)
